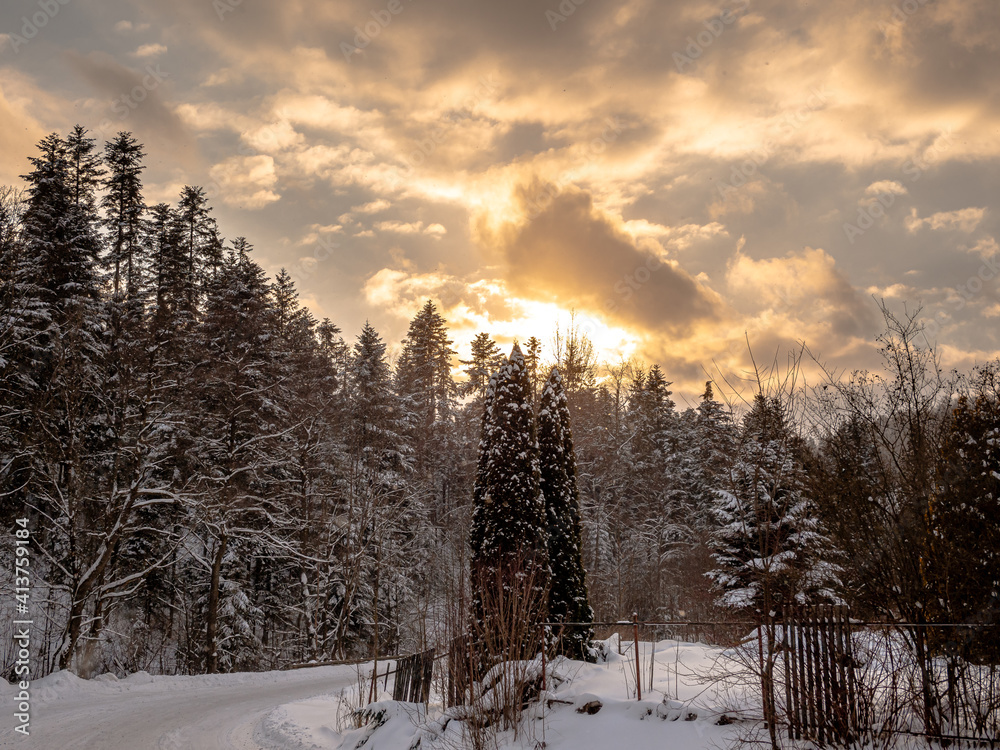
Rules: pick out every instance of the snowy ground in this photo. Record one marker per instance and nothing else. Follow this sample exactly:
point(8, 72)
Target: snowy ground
point(140, 712)
point(309, 709)
point(682, 710)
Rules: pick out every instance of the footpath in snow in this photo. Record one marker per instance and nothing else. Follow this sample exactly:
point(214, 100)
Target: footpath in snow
point(143, 712)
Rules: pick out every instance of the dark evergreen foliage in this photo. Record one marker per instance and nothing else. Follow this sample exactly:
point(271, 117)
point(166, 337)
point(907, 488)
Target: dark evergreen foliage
point(567, 600)
point(771, 548)
point(509, 560)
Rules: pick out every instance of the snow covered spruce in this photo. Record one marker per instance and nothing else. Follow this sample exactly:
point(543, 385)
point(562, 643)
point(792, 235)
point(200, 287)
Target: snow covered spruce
point(525, 535)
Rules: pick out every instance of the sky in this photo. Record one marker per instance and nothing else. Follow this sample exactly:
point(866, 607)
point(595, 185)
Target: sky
point(687, 177)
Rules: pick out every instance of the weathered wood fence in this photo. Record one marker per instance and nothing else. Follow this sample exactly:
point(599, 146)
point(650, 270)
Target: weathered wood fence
point(819, 680)
point(412, 682)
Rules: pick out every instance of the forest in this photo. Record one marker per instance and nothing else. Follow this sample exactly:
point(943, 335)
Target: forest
point(216, 481)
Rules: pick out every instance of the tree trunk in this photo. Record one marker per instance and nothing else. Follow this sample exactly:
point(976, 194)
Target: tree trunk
point(212, 628)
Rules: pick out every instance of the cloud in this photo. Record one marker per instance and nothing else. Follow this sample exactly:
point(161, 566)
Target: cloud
point(124, 27)
point(964, 220)
point(400, 227)
point(566, 250)
point(372, 207)
point(134, 97)
point(804, 288)
point(150, 50)
point(247, 181)
point(987, 247)
point(886, 187)
point(411, 227)
point(19, 130)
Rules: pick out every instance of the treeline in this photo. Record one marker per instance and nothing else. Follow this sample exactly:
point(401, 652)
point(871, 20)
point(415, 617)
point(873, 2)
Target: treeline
point(216, 481)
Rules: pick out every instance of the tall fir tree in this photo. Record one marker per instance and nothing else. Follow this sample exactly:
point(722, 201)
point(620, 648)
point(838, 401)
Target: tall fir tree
point(236, 432)
point(962, 556)
point(123, 211)
point(66, 427)
point(376, 443)
point(486, 359)
point(198, 236)
point(509, 531)
point(427, 391)
point(567, 599)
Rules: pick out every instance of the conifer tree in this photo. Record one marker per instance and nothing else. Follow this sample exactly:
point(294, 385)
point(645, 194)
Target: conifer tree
point(426, 389)
point(770, 549)
point(66, 428)
point(168, 264)
point(486, 359)
point(567, 600)
point(84, 171)
point(198, 236)
point(375, 442)
point(60, 253)
point(123, 210)
point(962, 556)
point(235, 423)
point(509, 557)
point(533, 361)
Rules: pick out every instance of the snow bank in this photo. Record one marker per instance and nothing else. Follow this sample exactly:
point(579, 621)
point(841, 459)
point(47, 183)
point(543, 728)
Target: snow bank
point(585, 706)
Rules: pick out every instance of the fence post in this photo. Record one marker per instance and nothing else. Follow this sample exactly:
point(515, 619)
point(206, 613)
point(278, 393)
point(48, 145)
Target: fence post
point(785, 646)
point(635, 640)
point(541, 629)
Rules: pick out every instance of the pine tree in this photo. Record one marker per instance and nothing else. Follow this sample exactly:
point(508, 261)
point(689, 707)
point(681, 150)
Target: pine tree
point(963, 518)
point(66, 428)
point(533, 362)
point(426, 389)
point(124, 207)
point(375, 442)
point(235, 433)
point(567, 600)
point(509, 560)
point(486, 359)
point(198, 236)
point(770, 549)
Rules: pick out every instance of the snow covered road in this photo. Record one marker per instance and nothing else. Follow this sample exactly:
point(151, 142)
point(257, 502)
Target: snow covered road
point(212, 712)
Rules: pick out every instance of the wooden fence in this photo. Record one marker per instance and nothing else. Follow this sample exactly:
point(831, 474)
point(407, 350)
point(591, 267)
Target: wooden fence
point(819, 680)
point(412, 682)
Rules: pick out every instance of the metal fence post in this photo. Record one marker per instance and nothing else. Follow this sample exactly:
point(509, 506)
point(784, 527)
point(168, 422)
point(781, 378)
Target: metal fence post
point(635, 640)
